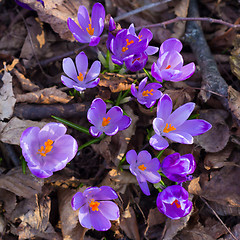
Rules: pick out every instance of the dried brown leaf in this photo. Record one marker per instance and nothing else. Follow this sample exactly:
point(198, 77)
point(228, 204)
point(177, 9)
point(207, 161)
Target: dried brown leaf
point(13, 130)
point(128, 223)
point(234, 101)
point(235, 232)
point(214, 228)
point(7, 98)
point(71, 228)
point(24, 185)
point(9, 201)
point(45, 96)
point(217, 137)
point(235, 57)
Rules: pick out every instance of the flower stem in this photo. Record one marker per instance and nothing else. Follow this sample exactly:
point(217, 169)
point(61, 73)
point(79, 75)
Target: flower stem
point(160, 154)
point(149, 75)
point(24, 164)
point(96, 140)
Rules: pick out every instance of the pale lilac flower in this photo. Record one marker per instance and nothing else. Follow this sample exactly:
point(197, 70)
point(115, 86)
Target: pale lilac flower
point(47, 150)
point(146, 94)
point(109, 123)
point(95, 207)
point(173, 202)
point(177, 167)
point(78, 77)
point(175, 126)
point(144, 168)
point(169, 66)
point(90, 28)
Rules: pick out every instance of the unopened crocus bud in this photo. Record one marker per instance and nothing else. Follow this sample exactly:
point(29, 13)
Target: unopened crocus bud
point(112, 25)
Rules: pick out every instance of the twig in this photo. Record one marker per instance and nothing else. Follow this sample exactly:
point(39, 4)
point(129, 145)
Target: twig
point(212, 80)
point(219, 219)
point(179, 19)
point(141, 9)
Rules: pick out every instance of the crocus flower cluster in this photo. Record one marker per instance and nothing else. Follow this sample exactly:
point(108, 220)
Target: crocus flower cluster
point(78, 77)
point(146, 94)
point(47, 150)
point(144, 168)
point(169, 66)
point(89, 29)
point(173, 202)
point(109, 123)
point(175, 126)
point(95, 207)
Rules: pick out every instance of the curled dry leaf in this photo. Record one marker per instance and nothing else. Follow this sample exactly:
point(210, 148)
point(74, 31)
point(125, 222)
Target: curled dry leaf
point(217, 137)
point(235, 57)
point(7, 99)
point(128, 223)
point(13, 130)
point(234, 101)
point(57, 12)
point(23, 185)
point(45, 96)
point(9, 201)
point(214, 228)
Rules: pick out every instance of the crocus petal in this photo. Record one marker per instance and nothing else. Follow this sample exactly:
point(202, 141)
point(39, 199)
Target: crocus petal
point(99, 104)
point(144, 157)
point(146, 34)
point(152, 177)
point(115, 114)
point(124, 122)
point(170, 74)
point(153, 165)
point(109, 210)
point(156, 72)
point(92, 83)
point(106, 193)
point(83, 17)
point(94, 131)
point(181, 114)
point(187, 72)
point(158, 125)
point(169, 45)
point(164, 107)
point(131, 29)
point(84, 216)
point(195, 127)
point(77, 201)
point(69, 68)
point(112, 24)
point(172, 58)
point(91, 192)
point(158, 142)
point(99, 222)
point(134, 90)
point(151, 50)
point(131, 156)
point(98, 12)
point(144, 187)
point(40, 173)
point(111, 130)
point(94, 41)
point(82, 63)
point(94, 71)
point(180, 137)
point(142, 84)
point(68, 81)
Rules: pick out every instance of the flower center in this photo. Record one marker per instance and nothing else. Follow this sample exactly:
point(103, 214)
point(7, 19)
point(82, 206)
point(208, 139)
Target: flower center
point(168, 66)
point(169, 128)
point(176, 202)
point(105, 121)
point(90, 30)
point(48, 147)
point(80, 77)
point(124, 49)
point(142, 167)
point(136, 59)
point(140, 36)
point(94, 205)
point(145, 93)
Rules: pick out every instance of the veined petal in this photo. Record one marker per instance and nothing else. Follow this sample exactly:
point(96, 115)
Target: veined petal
point(94, 131)
point(40, 173)
point(81, 63)
point(115, 114)
point(169, 45)
point(77, 201)
point(84, 216)
point(158, 125)
point(94, 41)
point(180, 137)
point(93, 72)
point(156, 72)
point(69, 68)
point(68, 81)
point(144, 187)
point(170, 74)
point(92, 83)
point(131, 156)
point(134, 90)
point(144, 157)
point(151, 50)
point(142, 84)
point(151, 176)
point(164, 107)
point(106, 193)
point(111, 130)
point(158, 142)
point(98, 12)
point(83, 17)
point(187, 72)
point(124, 122)
point(131, 29)
point(145, 34)
point(181, 114)
point(99, 222)
point(109, 210)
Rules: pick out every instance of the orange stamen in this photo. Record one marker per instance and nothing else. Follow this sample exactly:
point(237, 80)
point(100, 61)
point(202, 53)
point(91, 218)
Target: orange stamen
point(80, 77)
point(94, 205)
point(140, 36)
point(169, 128)
point(168, 66)
point(135, 60)
point(90, 30)
point(176, 202)
point(142, 167)
point(105, 121)
point(48, 147)
point(124, 49)
point(145, 93)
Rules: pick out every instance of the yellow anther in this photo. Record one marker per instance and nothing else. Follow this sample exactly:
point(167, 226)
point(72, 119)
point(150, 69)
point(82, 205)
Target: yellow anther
point(48, 147)
point(80, 77)
point(145, 93)
point(168, 66)
point(169, 128)
point(90, 30)
point(94, 205)
point(142, 167)
point(176, 202)
point(140, 36)
point(105, 121)
point(124, 49)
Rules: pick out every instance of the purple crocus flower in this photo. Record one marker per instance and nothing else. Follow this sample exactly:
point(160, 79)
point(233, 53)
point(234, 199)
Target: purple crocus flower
point(95, 209)
point(109, 123)
point(77, 78)
point(137, 62)
point(173, 202)
point(144, 168)
point(177, 167)
point(146, 95)
point(90, 28)
point(169, 66)
point(24, 5)
point(47, 150)
point(125, 46)
point(175, 126)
